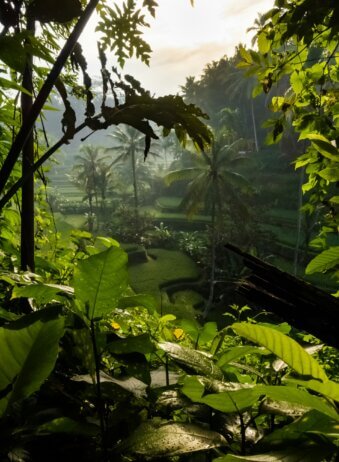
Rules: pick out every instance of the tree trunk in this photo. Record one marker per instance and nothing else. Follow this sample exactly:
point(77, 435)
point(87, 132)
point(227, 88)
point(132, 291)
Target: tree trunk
point(91, 214)
point(23, 134)
point(254, 127)
point(135, 186)
point(213, 257)
point(27, 203)
point(299, 223)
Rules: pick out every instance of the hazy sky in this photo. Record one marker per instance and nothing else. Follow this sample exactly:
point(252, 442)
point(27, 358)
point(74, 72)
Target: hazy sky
point(185, 39)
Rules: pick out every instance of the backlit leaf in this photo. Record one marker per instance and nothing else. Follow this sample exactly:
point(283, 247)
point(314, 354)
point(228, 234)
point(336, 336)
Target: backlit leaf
point(326, 260)
point(326, 149)
point(284, 347)
point(100, 281)
point(330, 174)
point(329, 389)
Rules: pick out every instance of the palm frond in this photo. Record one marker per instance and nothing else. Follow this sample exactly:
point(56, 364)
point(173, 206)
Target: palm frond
point(184, 174)
point(236, 181)
point(196, 194)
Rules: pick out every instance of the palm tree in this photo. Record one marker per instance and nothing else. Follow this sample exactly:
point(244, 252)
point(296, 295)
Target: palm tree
point(128, 144)
point(214, 183)
point(92, 174)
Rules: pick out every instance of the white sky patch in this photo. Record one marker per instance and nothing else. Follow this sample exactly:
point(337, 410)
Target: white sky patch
point(185, 39)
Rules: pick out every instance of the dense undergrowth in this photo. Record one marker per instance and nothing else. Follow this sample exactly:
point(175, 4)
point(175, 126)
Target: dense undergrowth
point(95, 372)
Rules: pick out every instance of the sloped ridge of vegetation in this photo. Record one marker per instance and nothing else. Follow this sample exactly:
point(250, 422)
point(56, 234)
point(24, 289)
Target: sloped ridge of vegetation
point(165, 267)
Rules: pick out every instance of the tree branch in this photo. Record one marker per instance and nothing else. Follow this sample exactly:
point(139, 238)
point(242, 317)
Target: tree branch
point(27, 126)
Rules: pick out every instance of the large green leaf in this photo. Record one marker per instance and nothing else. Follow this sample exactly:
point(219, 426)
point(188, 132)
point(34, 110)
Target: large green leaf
point(207, 333)
point(302, 453)
point(284, 347)
point(100, 281)
point(293, 395)
point(324, 261)
point(195, 360)
point(29, 348)
point(43, 293)
point(169, 439)
point(329, 389)
point(238, 397)
point(238, 352)
point(301, 431)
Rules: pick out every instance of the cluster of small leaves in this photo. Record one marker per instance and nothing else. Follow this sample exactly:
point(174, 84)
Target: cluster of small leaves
point(298, 58)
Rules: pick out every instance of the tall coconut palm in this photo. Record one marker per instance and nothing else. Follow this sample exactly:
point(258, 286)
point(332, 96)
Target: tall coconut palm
point(92, 174)
point(128, 144)
point(214, 184)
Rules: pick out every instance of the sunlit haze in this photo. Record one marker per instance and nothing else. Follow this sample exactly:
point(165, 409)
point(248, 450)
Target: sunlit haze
point(185, 39)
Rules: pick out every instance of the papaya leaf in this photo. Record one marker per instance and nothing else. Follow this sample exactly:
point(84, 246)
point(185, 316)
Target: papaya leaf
point(282, 346)
point(326, 260)
point(195, 360)
point(29, 348)
point(100, 280)
point(169, 439)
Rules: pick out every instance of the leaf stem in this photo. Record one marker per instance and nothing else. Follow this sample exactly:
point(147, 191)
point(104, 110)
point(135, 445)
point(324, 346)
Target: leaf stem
point(100, 402)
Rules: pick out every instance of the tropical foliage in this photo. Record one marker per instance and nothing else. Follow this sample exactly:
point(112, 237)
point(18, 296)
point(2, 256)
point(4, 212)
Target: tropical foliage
point(215, 184)
point(90, 369)
point(307, 72)
point(176, 381)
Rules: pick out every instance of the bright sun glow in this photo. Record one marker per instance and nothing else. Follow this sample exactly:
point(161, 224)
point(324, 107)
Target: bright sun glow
point(185, 39)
